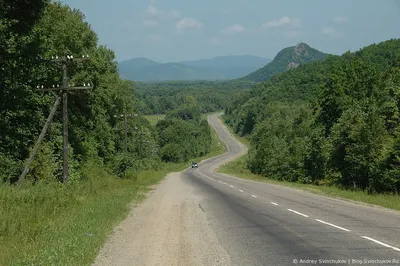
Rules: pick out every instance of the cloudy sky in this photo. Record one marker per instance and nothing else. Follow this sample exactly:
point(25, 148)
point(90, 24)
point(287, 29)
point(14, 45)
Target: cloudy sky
point(178, 30)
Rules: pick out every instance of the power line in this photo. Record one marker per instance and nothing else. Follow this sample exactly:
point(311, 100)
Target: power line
point(63, 89)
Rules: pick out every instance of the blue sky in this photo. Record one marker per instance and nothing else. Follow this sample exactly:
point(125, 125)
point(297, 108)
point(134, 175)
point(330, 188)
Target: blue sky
point(178, 30)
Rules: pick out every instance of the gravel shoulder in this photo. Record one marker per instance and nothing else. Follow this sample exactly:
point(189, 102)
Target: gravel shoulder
point(168, 228)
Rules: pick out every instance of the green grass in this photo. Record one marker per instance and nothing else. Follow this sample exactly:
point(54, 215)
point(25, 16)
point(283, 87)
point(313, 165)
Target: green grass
point(238, 168)
point(153, 119)
point(55, 224)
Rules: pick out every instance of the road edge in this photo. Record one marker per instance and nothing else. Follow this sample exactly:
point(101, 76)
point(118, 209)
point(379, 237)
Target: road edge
point(217, 170)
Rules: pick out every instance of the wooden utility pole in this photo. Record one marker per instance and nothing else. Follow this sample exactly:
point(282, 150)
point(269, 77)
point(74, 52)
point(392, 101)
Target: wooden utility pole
point(65, 88)
point(40, 139)
point(125, 116)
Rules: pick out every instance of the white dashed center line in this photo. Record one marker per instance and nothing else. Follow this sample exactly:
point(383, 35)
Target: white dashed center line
point(299, 213)
point(304, 215)
point(380, 243)
point(341, 228)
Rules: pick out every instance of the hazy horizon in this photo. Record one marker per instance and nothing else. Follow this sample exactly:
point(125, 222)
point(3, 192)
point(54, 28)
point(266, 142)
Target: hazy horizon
point(182, 30)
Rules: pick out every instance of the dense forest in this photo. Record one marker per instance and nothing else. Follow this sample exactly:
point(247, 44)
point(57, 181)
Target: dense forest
point(332, 122)
point(39, 29)
point(183, 134)
point(162, 97)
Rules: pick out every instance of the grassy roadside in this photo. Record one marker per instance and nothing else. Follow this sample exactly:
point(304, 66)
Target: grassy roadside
point(153, 119)
point(54, 224)
point(238, 168)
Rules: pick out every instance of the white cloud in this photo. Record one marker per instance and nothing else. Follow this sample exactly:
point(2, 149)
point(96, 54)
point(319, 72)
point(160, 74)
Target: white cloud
point(236, 28)
point(214, 41)
point(340, 19)
point(188, 23)
point(331, 32)
point(174, 13)
point(294, 22)
point(153, 11)
point(150, 23)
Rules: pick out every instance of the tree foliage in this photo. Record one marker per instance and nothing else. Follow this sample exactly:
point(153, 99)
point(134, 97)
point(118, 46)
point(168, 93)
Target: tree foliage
point(160, 98)
point(32, 28)
point(183, 135)
point(333, 122)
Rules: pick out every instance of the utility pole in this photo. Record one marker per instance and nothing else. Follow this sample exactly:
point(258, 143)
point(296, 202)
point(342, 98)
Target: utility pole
point(141, 134)
point(140, 150)
point(65, 88)
point(125, 116)
point(40, 139)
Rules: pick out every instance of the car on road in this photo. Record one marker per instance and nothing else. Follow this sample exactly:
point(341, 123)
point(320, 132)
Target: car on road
point(194, 165)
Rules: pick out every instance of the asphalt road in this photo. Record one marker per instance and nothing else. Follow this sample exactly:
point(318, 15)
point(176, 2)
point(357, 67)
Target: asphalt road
point(264, 224)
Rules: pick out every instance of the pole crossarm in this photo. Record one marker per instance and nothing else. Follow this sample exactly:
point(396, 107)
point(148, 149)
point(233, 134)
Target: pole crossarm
point(127, 115)
point(65, 88)
point(67, 58)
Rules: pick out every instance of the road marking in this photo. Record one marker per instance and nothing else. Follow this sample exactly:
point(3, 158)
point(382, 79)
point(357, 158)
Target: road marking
point(241, 190)
point(383, 244)
point(219, 181)
point(254, 196)
point(299, 213)
point(231, 186)
point(341, 228)
point(276, 204)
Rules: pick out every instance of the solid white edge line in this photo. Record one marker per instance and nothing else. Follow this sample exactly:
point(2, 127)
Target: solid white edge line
point(240, 190)
point(254, 196)
point(341, 228)
point(381, 243)
point(276, 204)
point(299, 213)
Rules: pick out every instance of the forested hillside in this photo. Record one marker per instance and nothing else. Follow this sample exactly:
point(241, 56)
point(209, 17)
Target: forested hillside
point(162, 97)
point(288, 58)
point(333, 122)
point(183, 134)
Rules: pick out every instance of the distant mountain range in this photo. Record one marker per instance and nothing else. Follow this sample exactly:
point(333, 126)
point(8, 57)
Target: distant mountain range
point(246, 68)
point(218, 68)
point(287, 58)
